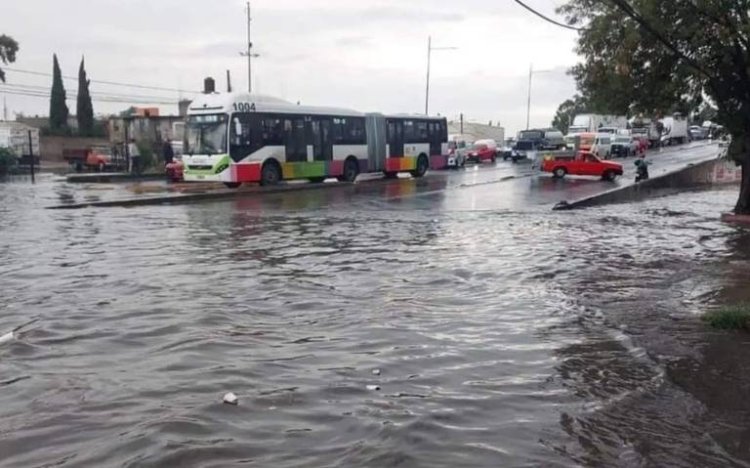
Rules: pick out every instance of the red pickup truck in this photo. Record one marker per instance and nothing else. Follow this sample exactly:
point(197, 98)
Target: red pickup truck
point(583, 163)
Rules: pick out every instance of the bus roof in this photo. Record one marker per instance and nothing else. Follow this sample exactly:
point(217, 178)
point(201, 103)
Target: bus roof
point(412, 116)
point(225, 103)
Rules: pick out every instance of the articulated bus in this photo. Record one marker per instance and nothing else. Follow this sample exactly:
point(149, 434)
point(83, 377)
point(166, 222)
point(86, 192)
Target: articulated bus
point(235, 138)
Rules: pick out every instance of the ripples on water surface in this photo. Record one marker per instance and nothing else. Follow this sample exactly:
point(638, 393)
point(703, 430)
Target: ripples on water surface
point(502, 338)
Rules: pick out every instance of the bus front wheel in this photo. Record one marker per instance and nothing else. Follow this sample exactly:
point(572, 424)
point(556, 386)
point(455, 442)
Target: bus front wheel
point(270, 174)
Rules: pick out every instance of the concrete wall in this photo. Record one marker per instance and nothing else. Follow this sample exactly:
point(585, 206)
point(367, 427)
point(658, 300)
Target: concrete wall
point(52, 146)
point(713, 172)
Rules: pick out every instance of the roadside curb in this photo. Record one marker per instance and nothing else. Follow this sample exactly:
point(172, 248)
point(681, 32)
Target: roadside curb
point(108, 177)
point(691, 176)
point(221, 194)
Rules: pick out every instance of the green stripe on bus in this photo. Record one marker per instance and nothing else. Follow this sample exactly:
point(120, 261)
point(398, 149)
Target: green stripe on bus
point(302, 170)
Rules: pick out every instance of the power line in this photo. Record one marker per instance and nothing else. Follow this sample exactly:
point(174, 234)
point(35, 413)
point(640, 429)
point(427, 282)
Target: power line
point(46, 89)
point(556, 23)
point(109, 83)
point(107, 99)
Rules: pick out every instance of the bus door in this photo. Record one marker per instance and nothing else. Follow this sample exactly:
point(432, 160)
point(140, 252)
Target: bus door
point(294, 139)
point(395, 138)
point(435, 136)
point(320, 129)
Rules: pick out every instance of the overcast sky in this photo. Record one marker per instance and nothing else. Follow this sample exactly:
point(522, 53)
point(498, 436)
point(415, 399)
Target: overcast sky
point(368, 55)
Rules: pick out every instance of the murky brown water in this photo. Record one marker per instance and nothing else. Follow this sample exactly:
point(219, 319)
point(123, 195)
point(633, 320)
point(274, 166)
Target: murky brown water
point(501, 337)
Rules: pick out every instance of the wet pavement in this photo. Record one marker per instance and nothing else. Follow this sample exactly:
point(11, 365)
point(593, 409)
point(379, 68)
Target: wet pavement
point(448, 321)
point(489, 186)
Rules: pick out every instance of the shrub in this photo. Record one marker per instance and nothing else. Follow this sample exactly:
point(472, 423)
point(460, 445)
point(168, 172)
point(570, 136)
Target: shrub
point(733, 317)
point(8, 161)
point(147, 156)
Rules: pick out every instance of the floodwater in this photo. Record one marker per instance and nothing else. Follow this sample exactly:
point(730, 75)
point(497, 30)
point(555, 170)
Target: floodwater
point(384, 327)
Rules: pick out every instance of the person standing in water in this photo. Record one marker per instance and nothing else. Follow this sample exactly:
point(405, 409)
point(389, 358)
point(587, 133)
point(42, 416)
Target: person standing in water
point(641, 168)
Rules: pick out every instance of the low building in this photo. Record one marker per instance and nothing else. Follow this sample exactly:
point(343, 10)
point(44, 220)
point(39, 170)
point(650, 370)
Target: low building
point(473, 131)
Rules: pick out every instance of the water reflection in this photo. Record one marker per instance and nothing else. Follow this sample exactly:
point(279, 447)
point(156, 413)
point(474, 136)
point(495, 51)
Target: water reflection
point(502, 338)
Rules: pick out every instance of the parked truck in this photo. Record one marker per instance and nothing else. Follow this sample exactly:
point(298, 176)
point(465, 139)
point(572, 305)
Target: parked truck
point(646, 128)
point(591, 123)
point(675, 130)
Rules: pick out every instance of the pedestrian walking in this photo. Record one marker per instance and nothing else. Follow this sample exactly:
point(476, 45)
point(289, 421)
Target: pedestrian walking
point(167, 152)
point(135, 157)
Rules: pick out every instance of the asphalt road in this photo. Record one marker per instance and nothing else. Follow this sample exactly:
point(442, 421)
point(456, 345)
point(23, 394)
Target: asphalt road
point(499, 186)
point(508, 186)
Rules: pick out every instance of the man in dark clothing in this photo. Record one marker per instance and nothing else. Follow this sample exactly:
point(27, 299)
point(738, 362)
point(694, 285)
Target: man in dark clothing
point(167, 152)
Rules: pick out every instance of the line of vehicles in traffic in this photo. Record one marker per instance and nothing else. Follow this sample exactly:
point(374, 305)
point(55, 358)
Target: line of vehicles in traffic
point(593, 141)
point(236, 138)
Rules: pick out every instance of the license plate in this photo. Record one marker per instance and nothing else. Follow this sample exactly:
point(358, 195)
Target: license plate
point(200, 177)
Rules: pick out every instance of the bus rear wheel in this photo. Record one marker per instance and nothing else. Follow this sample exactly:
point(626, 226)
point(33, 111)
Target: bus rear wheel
point(422, 165)
point(232, 184)
point(351, 171)
point(270, 174)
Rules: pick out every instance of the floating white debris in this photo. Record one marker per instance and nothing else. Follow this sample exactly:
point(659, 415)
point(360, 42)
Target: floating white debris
point(374, 388)
point(230, 398)
point(8, 337)
point(376, 372)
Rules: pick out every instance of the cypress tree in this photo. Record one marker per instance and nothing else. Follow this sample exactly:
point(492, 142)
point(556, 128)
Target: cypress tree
point(58, 109)
point(84, 108)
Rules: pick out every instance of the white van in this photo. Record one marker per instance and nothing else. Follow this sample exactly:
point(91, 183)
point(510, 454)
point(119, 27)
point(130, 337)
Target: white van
point(458, 145)
point(602, 146)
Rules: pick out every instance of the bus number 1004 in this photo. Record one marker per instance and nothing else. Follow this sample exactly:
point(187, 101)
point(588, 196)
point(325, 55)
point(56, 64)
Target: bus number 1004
point(244, 107)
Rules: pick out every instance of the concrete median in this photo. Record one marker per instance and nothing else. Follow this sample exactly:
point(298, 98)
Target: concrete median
point(701, 174)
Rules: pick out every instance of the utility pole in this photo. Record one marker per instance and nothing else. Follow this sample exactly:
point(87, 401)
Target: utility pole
point(249, 53)
point(528, 101)
point(31, 156)
point(427, 87)
point(5, 109)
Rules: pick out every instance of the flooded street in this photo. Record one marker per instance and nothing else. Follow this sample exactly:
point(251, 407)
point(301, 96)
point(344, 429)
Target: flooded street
point(408, 323)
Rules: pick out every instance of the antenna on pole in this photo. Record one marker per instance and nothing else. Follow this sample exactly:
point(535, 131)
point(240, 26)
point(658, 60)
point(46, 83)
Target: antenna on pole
point(249, 52)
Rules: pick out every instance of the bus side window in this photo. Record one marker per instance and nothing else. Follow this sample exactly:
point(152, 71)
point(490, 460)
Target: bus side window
point(421, 136)
point(339, 130)
point(410, 134)
point(272, 131)
point(356, 131)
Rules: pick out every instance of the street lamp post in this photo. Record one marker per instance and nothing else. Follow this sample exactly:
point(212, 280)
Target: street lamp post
point(528, 101)
point(429, 56)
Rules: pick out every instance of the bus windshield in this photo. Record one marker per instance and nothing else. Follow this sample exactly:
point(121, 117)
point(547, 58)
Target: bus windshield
point(206, 134)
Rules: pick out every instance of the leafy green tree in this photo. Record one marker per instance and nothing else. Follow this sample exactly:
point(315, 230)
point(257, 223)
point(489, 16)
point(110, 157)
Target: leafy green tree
point(8, 161)
point(567, 110)
point(8, 49)
point(58, 109)
point(655, 57)
point(84, 108)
